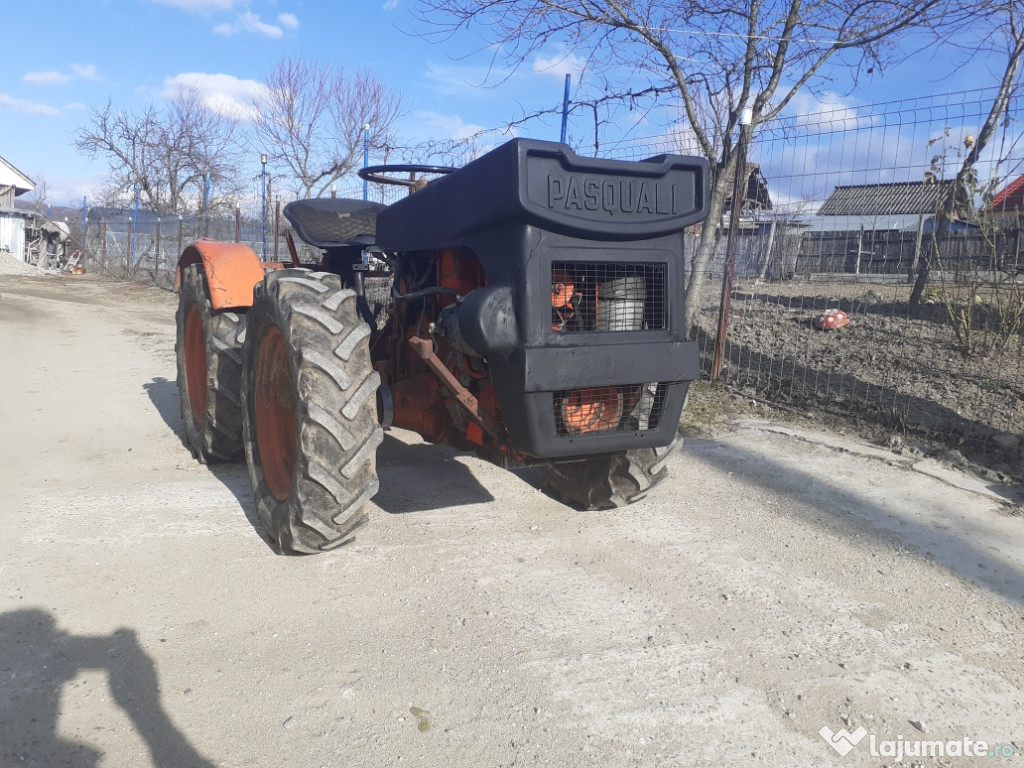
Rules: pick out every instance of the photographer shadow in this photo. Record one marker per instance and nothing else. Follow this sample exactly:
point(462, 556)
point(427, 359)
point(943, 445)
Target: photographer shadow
point(38, 659)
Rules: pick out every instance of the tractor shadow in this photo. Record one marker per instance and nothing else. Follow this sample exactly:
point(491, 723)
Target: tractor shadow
point(163, 393)
point(420, 477)
point(414, 477)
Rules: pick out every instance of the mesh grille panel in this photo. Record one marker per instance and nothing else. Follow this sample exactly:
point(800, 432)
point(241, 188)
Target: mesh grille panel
point(595, 410)
point(607, 296)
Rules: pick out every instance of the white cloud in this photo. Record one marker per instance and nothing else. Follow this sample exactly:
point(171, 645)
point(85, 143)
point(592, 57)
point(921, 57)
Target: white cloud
point(45, 78)
point(464, 80)
point(828, 113)
point(224, 94)
point(390, 5)
point(86, 71)
point(452, 126)
point(69, 190)
point(250, 22)
point(199, 6)
point(560, 63)
point(27, 107)
point(288, 21)
point(53, 77)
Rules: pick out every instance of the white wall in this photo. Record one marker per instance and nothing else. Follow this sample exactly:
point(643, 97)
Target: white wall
point(12, 234)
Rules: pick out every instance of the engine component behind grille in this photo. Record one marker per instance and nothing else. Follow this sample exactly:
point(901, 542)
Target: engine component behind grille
point(608, 296)
point(624, 408)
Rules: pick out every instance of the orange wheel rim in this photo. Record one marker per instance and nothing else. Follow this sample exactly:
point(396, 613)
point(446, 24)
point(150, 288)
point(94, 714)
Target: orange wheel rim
point(593, 409)
point(274, 398)
point(195, 364)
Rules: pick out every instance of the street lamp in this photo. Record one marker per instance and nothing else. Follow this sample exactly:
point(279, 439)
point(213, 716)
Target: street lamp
point(263, 202)
point(366, 158)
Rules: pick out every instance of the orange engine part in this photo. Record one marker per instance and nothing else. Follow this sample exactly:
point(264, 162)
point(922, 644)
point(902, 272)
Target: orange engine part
point(563, 290)
point(592, 409)
point(459, 270)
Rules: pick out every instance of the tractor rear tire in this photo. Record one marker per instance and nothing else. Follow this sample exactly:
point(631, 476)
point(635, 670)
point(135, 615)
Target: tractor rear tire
point(208, 349)
point(309, 424)
point(607, 482)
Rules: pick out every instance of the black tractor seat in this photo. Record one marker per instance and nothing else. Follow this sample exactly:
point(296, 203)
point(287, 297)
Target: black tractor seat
point(329, 223)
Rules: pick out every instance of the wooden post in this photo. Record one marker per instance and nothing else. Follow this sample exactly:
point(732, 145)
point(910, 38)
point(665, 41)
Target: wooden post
point(238, 224)
point(768, 249)
point(181, 235)
point(917, 249)
point(103, 244)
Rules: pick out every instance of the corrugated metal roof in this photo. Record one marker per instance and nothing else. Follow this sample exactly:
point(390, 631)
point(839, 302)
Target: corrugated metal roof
point(896, 199)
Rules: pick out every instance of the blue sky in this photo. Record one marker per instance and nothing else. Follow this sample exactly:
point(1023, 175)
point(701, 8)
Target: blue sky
point(82, 53)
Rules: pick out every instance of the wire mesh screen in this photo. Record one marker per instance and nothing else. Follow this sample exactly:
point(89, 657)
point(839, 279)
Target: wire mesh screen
point(607, 296)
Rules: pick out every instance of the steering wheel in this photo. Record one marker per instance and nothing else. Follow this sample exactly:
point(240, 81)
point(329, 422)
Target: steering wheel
point(374, 173)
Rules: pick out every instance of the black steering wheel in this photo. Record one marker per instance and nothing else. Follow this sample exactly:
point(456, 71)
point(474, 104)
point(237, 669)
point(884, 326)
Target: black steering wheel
point(375, 173)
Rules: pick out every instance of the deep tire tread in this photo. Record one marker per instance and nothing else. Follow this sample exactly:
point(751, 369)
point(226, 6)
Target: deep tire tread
point(335, 469)
point(219, 436)
point(608, 482)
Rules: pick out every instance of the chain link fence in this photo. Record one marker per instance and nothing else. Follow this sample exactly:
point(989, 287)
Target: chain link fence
point(839, 217)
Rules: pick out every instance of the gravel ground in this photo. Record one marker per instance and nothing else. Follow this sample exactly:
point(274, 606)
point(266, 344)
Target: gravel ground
point(781, 582)
point(12, 266)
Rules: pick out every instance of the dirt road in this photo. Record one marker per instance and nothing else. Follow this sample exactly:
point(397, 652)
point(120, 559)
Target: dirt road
point(775, 586)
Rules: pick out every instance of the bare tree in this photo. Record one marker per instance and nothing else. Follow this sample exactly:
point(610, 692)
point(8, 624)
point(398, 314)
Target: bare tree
point(310, 122)
point(713, 58)
point(1003, 24)
point(167, 154)
point(37, 198)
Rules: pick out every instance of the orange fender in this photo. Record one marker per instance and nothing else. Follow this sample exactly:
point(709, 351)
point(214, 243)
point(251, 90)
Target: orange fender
point(232, 271)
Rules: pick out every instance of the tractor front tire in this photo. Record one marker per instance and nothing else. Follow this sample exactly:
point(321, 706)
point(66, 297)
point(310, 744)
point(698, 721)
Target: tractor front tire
point(208, 349)
point(607, 482)
point(309, 424)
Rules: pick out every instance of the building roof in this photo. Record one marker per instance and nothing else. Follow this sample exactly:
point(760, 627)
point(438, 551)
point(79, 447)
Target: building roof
point(896, 199)
point(12, 177)
point(1010, 198)
point(755, 196)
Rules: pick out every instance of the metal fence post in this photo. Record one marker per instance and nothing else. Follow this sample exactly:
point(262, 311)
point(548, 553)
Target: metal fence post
point(157, 254)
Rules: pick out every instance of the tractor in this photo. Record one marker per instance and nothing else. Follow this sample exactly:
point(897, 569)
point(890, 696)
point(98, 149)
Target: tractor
point(527, 306)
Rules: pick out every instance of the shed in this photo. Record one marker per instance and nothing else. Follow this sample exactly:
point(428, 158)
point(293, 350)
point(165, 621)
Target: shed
point(871, 227)
point(13, 183)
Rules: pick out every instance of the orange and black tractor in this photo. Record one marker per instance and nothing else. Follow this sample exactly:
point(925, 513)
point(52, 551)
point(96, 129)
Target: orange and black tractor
point(528, 306)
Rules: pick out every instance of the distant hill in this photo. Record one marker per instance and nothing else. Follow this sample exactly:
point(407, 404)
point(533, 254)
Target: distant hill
point(56, 212)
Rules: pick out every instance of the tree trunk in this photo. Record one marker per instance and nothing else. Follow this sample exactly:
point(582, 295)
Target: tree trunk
point(701, 262)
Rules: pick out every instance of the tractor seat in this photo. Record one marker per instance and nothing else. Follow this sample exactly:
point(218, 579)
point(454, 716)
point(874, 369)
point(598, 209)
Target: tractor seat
point(328, 222)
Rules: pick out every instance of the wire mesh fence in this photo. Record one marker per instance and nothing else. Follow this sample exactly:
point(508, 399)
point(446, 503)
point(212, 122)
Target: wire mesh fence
point(840, 233)
point(840, 217)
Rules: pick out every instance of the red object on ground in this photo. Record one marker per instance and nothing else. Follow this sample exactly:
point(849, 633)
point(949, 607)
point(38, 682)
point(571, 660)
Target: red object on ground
point(831, 319)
